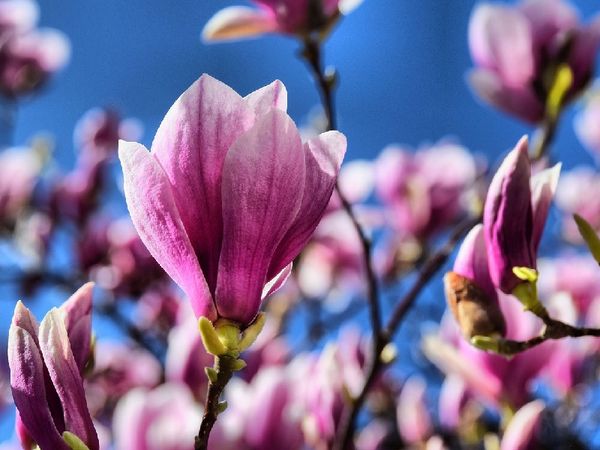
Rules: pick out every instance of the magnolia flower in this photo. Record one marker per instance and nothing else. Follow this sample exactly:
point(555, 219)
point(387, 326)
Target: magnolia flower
point(46, 364)
point(587, 125)
point(517, 48)
point(275, 16)
point(521, 431)
point(229, 195)
point(414, 421)
point(514, 216)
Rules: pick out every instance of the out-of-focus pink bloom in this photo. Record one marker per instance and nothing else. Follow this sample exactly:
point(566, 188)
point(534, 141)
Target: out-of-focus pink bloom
point(470, 292)
point(489, 377)
point(264, 412)
point(268, 350)
point(45, 369)
point(587, 125)
point(229, 195)
point(165, 418)
point(424, 191)
point(576, 194)
point(19, 170)
point(17, 16)
point(333, 259)
point(515, 212)
point(521, 430)
point(28, 60)
point(275, 16)
point(372, 436)
point(75, 196)
point(414, 422)
point(100, 129)
point(453, 396)
point(118, 369)
point(576, 275)
point(517, 48)
point(158, 308)
point(187, 358)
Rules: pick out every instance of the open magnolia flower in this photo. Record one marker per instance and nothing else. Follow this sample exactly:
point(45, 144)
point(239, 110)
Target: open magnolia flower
point(275, 16)
point(229, 195)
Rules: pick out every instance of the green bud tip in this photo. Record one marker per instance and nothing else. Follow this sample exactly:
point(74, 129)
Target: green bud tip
point(589, 236)
point(238, 365)
point(526, 274)
point(211, 374)
point(73, 441)
point(389, 353)
point(221, 407)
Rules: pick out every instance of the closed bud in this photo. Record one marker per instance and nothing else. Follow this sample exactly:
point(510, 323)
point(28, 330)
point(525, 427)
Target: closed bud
point(476, 314)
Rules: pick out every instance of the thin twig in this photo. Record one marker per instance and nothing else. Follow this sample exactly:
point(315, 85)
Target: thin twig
point(375, 365)
point(326, 83)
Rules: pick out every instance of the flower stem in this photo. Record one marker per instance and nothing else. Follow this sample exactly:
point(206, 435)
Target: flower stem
point(224, 368)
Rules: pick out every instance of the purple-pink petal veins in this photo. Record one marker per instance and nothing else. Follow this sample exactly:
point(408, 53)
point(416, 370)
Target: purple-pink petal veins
point(263, 173)
point(323, 159)
point(521, 429)
point(507, 219)
point(191, 144)
point(271, 96)
point(235, 22)
point(28, 383)
point(154, 213)
point(64, 373)
point(77, 316)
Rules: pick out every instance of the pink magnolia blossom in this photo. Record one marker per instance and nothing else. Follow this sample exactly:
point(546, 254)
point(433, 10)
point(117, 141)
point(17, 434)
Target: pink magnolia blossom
point(423, 190)
point(576, 194)
point(19, 171)
point(516, 49)
point(46, 366)
point(414, 421)
point(17, 16)
point(515, 212)
point(229, 194)
point(520, 434)
point(587, 125)
point(28, 60)
point(275, 16)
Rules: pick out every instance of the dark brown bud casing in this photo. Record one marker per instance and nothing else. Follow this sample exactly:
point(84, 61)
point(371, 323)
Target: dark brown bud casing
point(475, 312)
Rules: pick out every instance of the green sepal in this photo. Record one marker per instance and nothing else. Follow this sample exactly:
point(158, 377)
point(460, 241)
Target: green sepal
point(73, 441)
point(221, 407)
point(238, 365)
point(486, 343)
point(589, 236)
point(211, 374)
point(252, 332)
point(210, 338)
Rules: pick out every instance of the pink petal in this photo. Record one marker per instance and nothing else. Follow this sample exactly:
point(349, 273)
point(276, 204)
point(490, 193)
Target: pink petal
point(156, 218)
point(323, 158)
point(543, 187)
point(414, 422)
point(500, 40)
point(77, 316)
point(519, 101)
point(64, 373)
point(191, 144)
point(263, 181)
point(28, 387)
point(238, 22)
point(275, 284)
point(268, 97)
point(522, 427)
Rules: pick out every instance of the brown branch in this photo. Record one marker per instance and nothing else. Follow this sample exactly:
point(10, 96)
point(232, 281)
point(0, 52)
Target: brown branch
point(430, 268)
point(311, 53)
